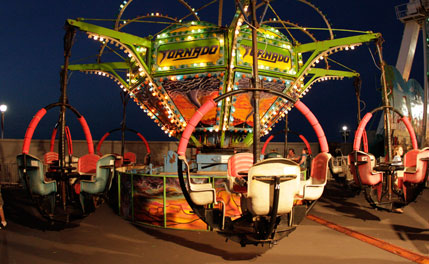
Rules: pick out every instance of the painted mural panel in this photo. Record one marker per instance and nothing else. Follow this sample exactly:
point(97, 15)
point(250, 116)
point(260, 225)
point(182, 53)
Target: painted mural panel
point(191, 91)
point(242, 108)
point(231, 200)
point(407, 97)
point(179, 213)
point(148, 200)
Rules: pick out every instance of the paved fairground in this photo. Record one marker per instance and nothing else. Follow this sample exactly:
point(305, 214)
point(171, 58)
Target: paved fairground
point(341, 229)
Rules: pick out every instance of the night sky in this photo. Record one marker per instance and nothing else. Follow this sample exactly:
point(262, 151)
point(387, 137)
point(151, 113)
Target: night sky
point(32, 54)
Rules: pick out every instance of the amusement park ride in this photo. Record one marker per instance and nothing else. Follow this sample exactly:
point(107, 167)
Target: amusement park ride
point(220, 89)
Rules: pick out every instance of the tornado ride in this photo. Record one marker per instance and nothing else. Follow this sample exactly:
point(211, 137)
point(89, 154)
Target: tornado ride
point(219, 89)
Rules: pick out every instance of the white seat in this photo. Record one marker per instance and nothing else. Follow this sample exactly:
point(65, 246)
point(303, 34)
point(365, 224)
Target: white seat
point(200, 193)
point(312, 188)
point(261, 184)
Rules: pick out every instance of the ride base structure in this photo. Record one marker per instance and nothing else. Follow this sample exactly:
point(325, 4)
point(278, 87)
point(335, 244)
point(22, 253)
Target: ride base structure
point(218, 89)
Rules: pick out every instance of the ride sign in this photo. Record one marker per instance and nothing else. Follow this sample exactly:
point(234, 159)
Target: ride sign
point(268, 55)
point(200, 52)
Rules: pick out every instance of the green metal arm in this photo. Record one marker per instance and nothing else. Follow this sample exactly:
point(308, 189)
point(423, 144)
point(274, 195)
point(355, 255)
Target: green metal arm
point(131, 41)
point(327, 44)
point(322, 47)
point(105, 67)
point(120, 36)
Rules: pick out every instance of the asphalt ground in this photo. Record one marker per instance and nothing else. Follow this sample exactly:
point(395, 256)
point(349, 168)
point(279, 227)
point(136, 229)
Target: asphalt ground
point(104, 237)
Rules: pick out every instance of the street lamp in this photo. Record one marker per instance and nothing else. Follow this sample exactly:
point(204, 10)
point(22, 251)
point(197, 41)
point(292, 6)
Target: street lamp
point(3, 109)
point(345, 133)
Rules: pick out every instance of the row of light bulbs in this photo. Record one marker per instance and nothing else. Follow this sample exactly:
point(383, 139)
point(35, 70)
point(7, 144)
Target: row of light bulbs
point(133, 79)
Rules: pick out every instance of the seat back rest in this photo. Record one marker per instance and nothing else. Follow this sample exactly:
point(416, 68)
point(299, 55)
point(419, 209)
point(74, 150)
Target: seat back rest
point(420, 168)
point(260, 192)
point(87, 163)
point(373, 161)
point(130, 157)
point(410, 158)
point(105, 174)
point(32, 165)
point(239, 163)
point(424, 154)
point(319, 168)
point(366, 173)
point(36, 176)
point(50, 157)
point(119, 161)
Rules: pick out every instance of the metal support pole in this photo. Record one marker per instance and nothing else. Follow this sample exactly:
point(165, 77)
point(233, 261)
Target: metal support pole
point(424, 139)
point(285, 152)
point(387, 115)
point(387, 118)
point(68, 43)
point(2, 125)
point(124, 98)
point(219, 19)
point(255, 85)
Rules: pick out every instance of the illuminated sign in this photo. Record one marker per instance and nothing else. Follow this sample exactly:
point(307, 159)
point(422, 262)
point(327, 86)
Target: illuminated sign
point(191, 52)
point(269, 56)
point(188, 29)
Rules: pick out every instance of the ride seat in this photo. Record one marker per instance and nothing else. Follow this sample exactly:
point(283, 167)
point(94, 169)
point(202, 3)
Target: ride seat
point(130, 158)
point(33, 167)
point(200, 193)
point(261, 184)
point(50, 157)
point(238, 168)
point(415, 165)
point(312, 188)
point(366, 163)
point(103, 178)
point(336, 165)
point(87, 164)
point(119, 161)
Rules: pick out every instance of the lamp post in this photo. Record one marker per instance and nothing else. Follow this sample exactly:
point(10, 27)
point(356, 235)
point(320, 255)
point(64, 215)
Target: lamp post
point(3, 109)
point(345, 133)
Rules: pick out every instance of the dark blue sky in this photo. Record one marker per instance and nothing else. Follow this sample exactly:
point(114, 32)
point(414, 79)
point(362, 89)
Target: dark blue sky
point(32, 53)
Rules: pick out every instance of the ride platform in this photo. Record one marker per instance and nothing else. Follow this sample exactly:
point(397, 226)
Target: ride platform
point(105, 237)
